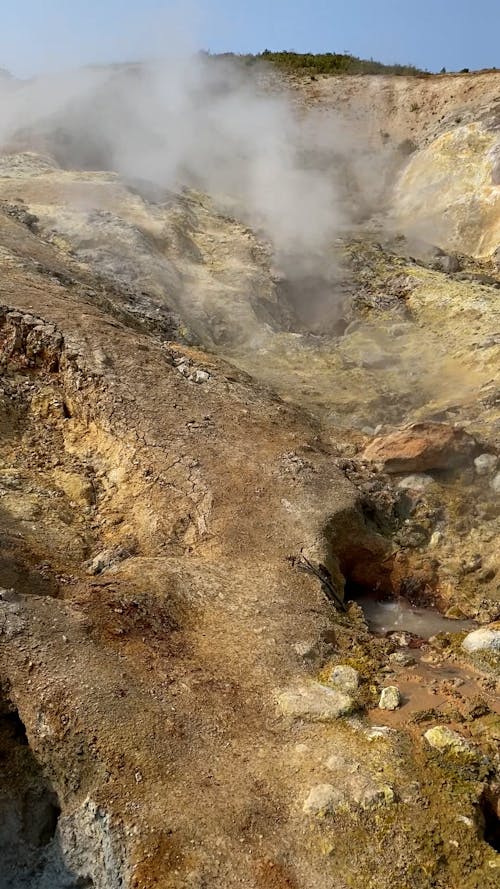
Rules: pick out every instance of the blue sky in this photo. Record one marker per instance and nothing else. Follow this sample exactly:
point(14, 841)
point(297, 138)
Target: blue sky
point(38, 34)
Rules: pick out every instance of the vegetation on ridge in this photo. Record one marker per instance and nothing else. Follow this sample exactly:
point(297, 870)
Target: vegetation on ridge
point(324, 63)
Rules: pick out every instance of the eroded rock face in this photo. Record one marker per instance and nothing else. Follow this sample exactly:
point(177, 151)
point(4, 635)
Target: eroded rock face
point(458, 174)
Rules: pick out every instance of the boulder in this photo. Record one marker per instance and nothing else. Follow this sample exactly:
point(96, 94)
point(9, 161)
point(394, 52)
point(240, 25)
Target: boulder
point(421, 447)
point(483, 639)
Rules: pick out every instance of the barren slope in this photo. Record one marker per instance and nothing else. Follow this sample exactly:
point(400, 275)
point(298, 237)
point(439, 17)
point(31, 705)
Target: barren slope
point(172, 432)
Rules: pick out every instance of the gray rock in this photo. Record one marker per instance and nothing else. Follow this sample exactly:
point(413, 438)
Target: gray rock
point(415, 482)
point(485, 464)
point(402, 658)
point(484, 639)
point(376, 796)
point(308, 651)
point(358, 787)
point(315, 702)
point(106, 559)
point(344, 678)
point(390, 698)
point(323, 799)
point(201, 376)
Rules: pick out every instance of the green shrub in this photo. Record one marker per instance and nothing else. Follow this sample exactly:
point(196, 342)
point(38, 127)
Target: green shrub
point(323, 63)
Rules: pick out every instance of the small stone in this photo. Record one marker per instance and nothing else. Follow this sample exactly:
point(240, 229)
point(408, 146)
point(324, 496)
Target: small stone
point(390, 698)
point(106, 559)
point(454, 612)
point(485, 464)
point(484, 639)
point(315, 702)
point(375, 797)
point(447, 741)
point(486, 575)
point(415, 482)
point(402, 658)
point(436, 538)
point(323, 799)
point(495, 483)
point(379, 731)
point(344, 678)
point(308, 651)
point(201, 376)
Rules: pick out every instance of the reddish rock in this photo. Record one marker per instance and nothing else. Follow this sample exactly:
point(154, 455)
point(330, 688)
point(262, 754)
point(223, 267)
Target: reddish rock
point(421, 447)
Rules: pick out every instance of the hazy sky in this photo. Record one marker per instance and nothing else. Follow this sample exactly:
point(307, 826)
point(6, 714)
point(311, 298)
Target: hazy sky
point(38, 34)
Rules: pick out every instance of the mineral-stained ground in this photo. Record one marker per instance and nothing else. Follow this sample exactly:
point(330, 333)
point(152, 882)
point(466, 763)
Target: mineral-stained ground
point(180, 451)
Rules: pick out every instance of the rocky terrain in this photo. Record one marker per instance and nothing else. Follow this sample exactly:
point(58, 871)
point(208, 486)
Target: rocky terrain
point(250, 612)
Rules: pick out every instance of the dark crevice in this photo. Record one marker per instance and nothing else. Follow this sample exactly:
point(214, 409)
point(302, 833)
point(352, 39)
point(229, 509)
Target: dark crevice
point(490, 805)
point(31, 854)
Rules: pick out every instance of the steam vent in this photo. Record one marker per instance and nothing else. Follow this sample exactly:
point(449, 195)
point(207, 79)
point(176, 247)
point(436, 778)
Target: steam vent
point(249, 479)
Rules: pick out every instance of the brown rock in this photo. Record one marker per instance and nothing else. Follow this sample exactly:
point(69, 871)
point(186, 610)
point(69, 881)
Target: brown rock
point(421, 447)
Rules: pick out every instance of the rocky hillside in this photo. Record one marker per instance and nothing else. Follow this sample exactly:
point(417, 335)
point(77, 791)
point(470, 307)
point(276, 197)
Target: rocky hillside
point(249, 617)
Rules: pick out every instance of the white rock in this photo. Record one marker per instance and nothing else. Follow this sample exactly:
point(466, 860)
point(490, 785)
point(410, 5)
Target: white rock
point(315, 702)
point(201, 376)
point(485, 464)
point(495, 483)
point(415, 482)
point(379, 731)
point(484, 639)
point(390, 698)
point(344, 678)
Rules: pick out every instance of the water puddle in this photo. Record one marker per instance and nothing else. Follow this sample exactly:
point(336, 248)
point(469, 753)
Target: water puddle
point(399, 615)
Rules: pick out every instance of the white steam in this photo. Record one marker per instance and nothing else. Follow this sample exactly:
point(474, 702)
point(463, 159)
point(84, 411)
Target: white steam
point(192, 120)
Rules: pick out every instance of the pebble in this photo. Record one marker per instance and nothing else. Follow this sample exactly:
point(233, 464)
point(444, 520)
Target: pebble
point(484, 639)
point(485, 464)
point(390, 698)
point(344, 678)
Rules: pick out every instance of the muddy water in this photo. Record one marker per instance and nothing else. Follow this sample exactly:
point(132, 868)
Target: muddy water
point(399, 615)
